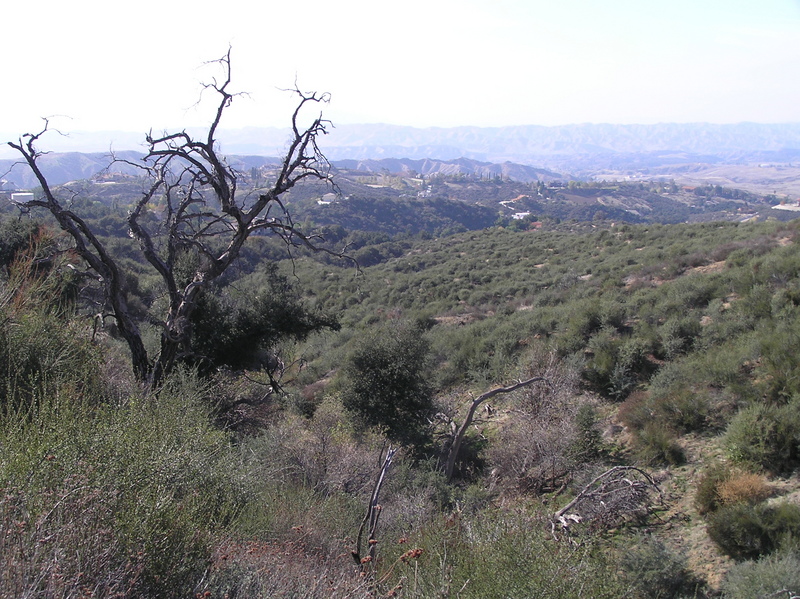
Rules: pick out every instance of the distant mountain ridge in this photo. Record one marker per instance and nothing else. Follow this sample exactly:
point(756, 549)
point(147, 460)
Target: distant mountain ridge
point(73, 166)
point(459, 166)
point(522, 144)
point(62, 167)
point(574, 149)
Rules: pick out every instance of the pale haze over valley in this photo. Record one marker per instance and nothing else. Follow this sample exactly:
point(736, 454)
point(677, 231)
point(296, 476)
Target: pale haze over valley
point(135, 66)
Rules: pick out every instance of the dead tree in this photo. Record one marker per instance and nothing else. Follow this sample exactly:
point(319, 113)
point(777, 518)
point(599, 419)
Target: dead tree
point(616, 495)
point(458, 438)
point(194, 191)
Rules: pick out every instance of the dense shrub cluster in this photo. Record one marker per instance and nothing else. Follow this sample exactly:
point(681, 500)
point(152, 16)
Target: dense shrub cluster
point(766, 436)
point(746, 532)
point(722, 485)
point(385, 385)
point(777, 575)
point(653, 570)
point(170, 494)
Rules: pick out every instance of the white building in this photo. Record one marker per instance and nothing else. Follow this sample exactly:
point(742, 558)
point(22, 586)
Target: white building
point(21, 198)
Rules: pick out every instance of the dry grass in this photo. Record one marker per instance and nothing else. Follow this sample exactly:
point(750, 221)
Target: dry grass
point(743, 487)
point(281, 569)
point(535, 443)
point(68, 549)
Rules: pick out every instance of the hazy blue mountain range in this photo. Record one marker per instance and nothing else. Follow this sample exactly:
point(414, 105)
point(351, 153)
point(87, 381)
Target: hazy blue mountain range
point(463, 166)
point(525, 144)
point(521, 144)
point(575, 149)
point(62, 167)
point(72, 166)
point(572, 149)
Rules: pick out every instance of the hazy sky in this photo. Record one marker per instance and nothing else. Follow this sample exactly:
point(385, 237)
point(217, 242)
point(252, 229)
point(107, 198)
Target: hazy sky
point(136, 65)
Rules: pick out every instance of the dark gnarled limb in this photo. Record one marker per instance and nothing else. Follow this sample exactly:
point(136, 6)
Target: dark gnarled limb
point(617, 493)
point(194, 190)
point(89, 247)
point(462, 430)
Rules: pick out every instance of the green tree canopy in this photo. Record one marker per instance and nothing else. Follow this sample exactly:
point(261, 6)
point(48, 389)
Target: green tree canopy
point(238, 330)
point(385, 383)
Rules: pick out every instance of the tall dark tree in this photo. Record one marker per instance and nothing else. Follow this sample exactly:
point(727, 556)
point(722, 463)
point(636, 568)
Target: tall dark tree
point(194, 191)
point(241, 330)
point(385, 384)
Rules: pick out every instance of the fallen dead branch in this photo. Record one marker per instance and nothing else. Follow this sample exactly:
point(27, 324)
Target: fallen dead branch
point(616, 495)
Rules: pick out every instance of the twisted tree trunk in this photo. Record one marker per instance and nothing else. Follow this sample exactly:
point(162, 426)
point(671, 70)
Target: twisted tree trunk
point(196, 190)
point(452, 455)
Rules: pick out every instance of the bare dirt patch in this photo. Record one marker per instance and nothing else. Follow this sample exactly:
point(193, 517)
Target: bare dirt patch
point(708, 268)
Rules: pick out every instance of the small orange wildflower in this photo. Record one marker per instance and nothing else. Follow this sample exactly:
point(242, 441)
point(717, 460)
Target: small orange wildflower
point(411, 554)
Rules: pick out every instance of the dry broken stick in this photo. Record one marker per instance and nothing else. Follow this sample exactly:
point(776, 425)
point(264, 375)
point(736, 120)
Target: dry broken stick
point(373, 514)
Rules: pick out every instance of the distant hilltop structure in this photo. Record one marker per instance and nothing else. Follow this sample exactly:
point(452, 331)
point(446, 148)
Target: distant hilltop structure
point(791, 205)
point(21, 197)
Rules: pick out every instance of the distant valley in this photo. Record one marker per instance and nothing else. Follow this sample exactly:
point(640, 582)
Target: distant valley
point(763, 160)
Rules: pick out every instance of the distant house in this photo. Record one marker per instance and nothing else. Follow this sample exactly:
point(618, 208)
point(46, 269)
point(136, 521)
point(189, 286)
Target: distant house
point(327, 199)
point(520, 215)
point(21, 198)
point(793, 206)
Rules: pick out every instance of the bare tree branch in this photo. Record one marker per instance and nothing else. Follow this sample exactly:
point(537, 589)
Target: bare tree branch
point(193, 190)
point(459, 436)
point(91, 250)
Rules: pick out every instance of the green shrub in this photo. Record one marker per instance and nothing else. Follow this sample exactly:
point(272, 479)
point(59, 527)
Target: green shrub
point(656, 445)
point(691, 291)
point(16, 236)
point(385, 383)
point(686, 410)
point(134, 494)
point(42, 352)
point(678, 335)
point(62, 541)
point(655, 423)
point(672, 391)
point(727, 364)
point(616, 365)
point(777, 367)
point(241, 329)
point(776, 576)
point(707, 499)
point(588, 443)
point(584, 320)
point(483, 349)
point(603, 351)
point(766, 436)
point(653, 570)
point(495, 556)
point(722, 485)
point(178, 482)
point(636, 411)
point(745, 531)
